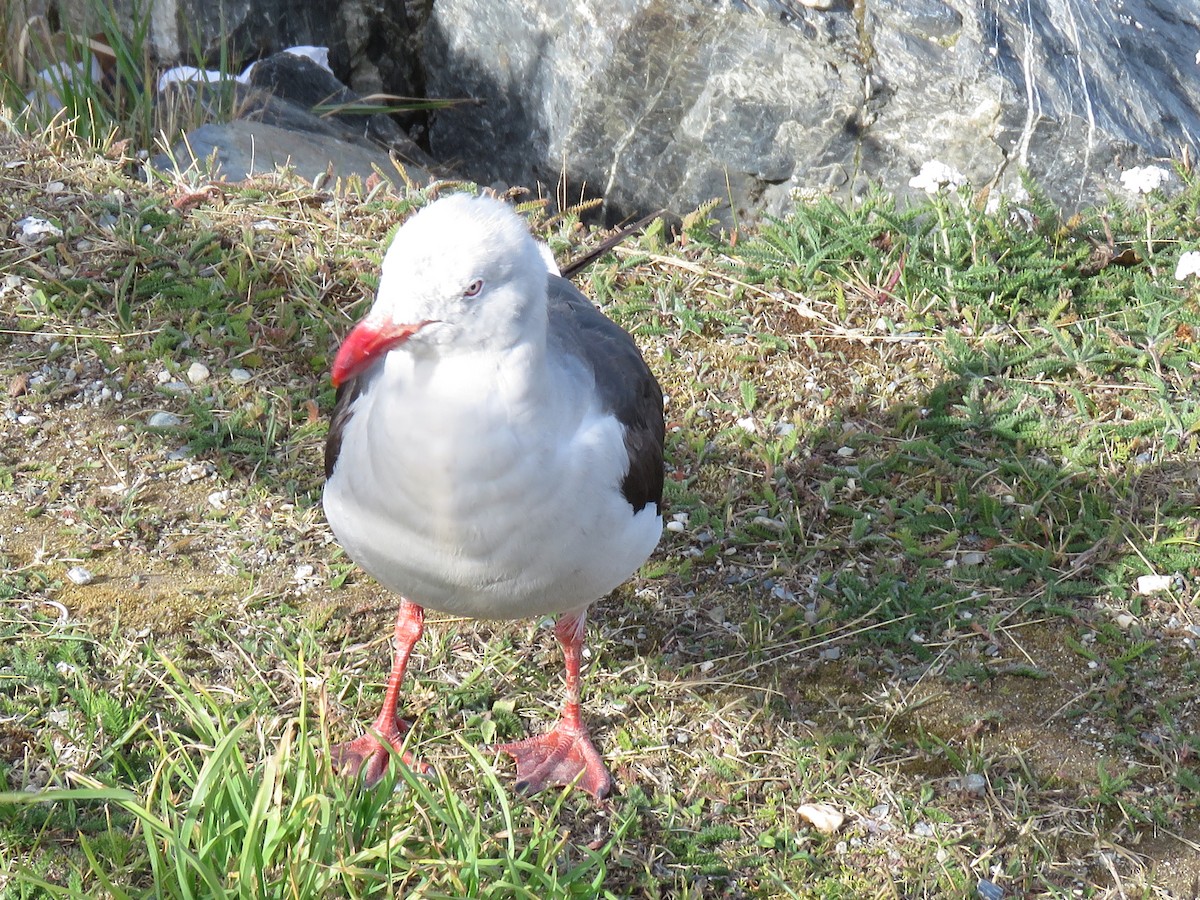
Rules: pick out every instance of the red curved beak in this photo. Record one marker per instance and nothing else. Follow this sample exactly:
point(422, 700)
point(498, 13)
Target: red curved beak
point(366, 342)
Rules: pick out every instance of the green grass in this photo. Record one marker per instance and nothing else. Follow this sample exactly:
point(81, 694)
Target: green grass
point(918, 458)
point(221, 793)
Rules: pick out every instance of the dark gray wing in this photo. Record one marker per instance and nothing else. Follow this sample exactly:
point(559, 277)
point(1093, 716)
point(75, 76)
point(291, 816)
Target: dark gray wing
point(624, 382)
point(347, 393)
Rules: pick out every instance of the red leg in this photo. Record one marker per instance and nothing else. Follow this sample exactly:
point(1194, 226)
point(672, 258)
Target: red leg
point(368, 755)
point(566, 751)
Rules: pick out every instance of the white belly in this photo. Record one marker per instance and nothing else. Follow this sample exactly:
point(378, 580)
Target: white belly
point(502, 506)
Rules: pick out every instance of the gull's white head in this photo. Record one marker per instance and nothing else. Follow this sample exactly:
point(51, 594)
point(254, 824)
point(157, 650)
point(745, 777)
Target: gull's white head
point(462, 274)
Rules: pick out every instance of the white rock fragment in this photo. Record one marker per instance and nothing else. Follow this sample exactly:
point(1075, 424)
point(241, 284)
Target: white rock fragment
point(163, 419)
point(218, 499)
point(769, 523)
point(304, 572)
point(747, 424)
point(194, 472)
point(32, 230)
point(823, 817)
point(79, 575)
point(1153, 584)
point(844, 452)
point(972, 558)
point(197, 373)
point(27, 419)
point(239, 376)
point(1125, 621)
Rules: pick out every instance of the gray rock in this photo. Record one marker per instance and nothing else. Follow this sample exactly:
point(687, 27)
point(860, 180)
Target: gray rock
point(643, 103)
point(284, 120)
point(242, 148)
point(371, 42)
point(163, 419)
point(291, 87)
point(650, 103)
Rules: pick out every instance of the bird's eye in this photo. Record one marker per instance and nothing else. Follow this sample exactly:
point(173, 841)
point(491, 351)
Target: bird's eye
point(474, 288)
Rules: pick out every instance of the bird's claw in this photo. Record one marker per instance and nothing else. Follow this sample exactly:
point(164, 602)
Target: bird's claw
point(369, 754)
point(565, 755)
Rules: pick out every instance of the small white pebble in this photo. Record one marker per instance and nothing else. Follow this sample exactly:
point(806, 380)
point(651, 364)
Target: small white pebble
point(823, 817)
point(28, 419)
point(675, 526)
point(923, 829)
point(304, 572)
point(164, 376)
point(193, 472)
point(32, 230)
point(747, 424)
point(971, 558)
point(1124, 620)
point(1153, 584)
point(197, 373)
point(239, 376)
point(218, 499)
point(845, 451)
point(768, 523)
point(79, 575)
point(64, 668)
